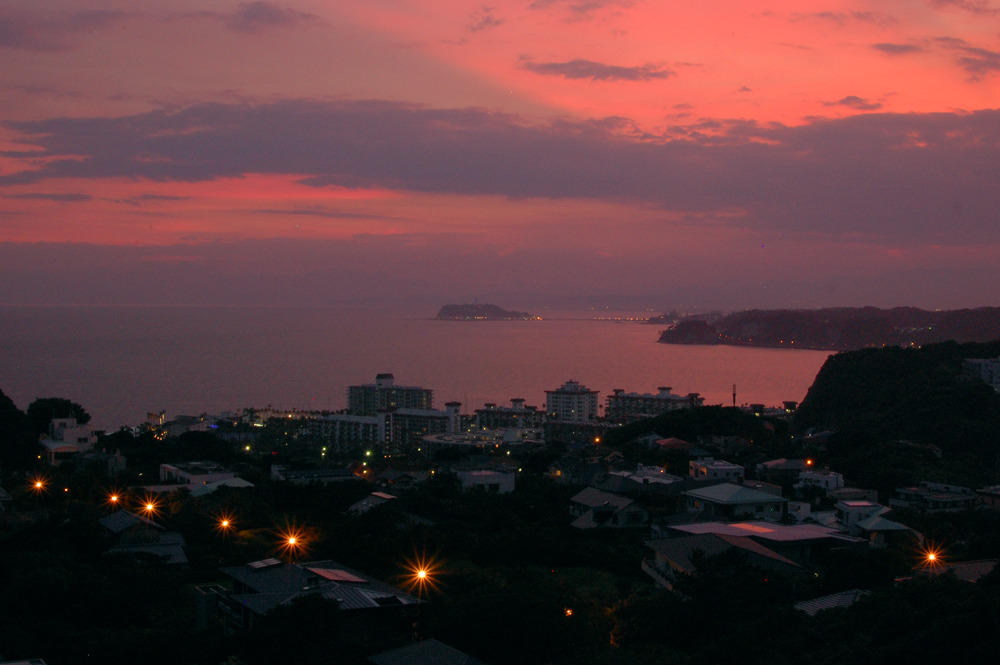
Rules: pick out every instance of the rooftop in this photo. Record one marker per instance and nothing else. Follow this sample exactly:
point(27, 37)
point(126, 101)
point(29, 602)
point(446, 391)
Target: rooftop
point(728, 493)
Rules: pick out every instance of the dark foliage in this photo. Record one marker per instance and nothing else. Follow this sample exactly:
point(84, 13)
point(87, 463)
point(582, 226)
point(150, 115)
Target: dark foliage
point(17, 444)
point(42, 411)
point(707, 421)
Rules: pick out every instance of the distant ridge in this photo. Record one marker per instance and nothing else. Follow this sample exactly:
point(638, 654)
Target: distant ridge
point(839, 329)
point(484, 312)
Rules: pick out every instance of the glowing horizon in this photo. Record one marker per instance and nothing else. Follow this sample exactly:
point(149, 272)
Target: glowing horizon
point(847, 148)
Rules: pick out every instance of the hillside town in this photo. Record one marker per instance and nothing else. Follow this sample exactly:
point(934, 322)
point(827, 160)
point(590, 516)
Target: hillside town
point(582, 531)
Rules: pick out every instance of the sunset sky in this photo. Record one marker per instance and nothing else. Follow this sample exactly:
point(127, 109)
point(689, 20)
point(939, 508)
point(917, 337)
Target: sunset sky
point(714, 154)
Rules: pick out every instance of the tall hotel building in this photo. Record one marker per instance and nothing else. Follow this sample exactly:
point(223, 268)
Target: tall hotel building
point(383, 395)
point(623, 407)
point(572, 403)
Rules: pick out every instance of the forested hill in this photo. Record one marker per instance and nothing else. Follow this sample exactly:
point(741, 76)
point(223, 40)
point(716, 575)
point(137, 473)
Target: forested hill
point(918, 395)
point(845, 328)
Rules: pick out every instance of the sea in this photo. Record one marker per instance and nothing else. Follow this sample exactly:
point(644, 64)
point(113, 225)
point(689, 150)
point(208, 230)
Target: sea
point(123, 362)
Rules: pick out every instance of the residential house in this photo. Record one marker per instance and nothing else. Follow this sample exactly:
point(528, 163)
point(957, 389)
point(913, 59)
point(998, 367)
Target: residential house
point(801, 543)
point(989, 497)
point(680, 556)
point(141, 537)
point(66, 439)
point(782, 471)
point(834, 600)
point(712, 469)
point(819, 481)
point(195, 473)
point(931, 497)
point(492, 480)
point(593, 508)
point(307, 476)
point(261, 586)
point(373, 500)
point(868, 519)
point(424, 652)
point(732, 502)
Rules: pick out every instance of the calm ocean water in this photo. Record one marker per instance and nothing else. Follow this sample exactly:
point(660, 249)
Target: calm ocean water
point(120, 362)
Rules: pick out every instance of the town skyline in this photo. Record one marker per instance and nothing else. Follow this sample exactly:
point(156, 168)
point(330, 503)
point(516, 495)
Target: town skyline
point(730, 155)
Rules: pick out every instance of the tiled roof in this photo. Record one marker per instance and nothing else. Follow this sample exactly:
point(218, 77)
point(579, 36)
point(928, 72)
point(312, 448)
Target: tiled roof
point(276, 584)
point(766, 530)
point(593, 497)
point(124, 520)
point(678, 551)
point(728, 493)
point(426, 652)
point(840, 599)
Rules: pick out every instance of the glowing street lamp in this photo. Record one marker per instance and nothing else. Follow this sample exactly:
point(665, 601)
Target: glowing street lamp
point(292, 543)
point(115, 499)
point(422, 571)
point(149, 507)
point(38, 485)
point(931, 556)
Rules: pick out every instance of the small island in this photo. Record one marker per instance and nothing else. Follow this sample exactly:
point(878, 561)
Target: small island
point(484, 312)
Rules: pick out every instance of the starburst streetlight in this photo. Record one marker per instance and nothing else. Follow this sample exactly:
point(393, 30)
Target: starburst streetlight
point(293, 542)
point(931, 556)
point(225, 525)
point(149, 507)
point(115, 499)
point(422, 571)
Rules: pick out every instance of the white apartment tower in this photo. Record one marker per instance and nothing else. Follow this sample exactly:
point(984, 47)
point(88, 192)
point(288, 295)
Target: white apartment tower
point(572, 403)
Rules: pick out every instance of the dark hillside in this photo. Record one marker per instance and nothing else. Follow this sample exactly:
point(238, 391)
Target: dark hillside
point(914, 394)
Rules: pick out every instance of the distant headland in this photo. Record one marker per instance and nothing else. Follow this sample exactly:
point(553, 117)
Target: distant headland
point(838, 329)
point(484, 312)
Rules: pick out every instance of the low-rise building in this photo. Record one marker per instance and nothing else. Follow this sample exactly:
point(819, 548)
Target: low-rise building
point(425, 652)
point(66, 439)
point(195, 473)
point(673, 557)
point(712, 469)
point(782, 470)
point(594, 508)
point(261, 586)
point(373, 500)
point(984, 369)
point(989, 497)
point(491, 480)
point(931, 497)
point(867, 519)
point(732, 502)
point(307, 476)
point(802, 543)
point(823, 480)
point(140, 537)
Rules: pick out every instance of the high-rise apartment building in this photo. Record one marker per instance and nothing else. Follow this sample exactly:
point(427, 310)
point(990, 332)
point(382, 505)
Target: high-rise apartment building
point(370, 398)
point(572, 403)
point(623, 407)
